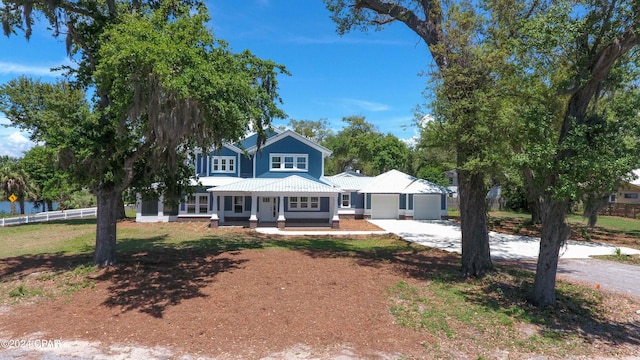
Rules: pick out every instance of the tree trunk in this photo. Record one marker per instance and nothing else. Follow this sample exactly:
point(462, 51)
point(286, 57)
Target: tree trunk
point(533, 198)
point(13, 207)
point(21, 203)
point(593, 205)
point(49, 205)
point(476, 257)
point(555, 232)
point(105, 254)
point(121, 214)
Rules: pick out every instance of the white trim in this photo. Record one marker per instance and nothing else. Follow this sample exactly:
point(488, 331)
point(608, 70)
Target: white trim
point(308, 203)
point(229, 161)
point(294, 163)
point(233, 204)
point(196, 205)
point(348, 194)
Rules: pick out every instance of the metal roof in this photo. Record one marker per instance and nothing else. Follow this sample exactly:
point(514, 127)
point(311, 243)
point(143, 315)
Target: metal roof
point(637, 180)
point(351, 182)
point(213, 180)
point(290, 184)
point(397, 182)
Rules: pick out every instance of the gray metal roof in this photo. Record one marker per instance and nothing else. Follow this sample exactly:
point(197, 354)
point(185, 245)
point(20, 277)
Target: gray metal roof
point(351, 182)
point(290, 184)
point(397, 182)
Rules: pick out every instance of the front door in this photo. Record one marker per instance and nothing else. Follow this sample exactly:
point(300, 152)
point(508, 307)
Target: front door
point(268, 209)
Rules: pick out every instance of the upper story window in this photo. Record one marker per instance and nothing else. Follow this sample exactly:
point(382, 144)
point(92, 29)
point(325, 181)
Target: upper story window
point(223, 164)
point(289, 162)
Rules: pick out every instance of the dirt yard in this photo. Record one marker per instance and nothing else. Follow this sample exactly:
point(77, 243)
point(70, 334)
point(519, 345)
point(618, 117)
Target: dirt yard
point(241, 304)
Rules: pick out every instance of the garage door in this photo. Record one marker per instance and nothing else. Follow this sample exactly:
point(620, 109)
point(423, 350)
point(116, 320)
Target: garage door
point(426, 207)
point(384, 206)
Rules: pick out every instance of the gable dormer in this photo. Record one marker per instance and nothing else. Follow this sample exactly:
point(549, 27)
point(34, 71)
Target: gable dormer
point(289, 153)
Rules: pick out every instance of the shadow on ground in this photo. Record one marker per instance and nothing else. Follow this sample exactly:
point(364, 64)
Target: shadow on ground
point(153, 275)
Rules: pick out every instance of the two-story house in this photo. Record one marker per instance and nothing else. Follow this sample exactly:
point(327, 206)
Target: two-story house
point(283, 183)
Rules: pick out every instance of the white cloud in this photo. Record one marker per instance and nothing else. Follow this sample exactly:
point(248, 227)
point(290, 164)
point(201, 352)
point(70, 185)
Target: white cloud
point(15, 145)
point(366, 105)
point(7, 68)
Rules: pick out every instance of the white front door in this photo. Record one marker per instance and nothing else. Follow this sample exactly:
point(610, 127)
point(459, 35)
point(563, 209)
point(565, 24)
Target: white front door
point(268, 211)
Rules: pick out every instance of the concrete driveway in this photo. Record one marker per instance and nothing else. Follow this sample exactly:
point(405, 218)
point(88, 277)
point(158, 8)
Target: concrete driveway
point(574, 260)
point(446, 235)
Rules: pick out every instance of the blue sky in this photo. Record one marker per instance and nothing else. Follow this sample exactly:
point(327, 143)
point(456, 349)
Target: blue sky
point(374, 74)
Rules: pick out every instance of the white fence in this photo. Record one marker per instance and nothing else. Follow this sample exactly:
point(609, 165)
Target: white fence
point(49, 216)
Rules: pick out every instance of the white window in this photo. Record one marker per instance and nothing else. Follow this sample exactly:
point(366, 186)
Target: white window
point(304, 203)
point(289, 162)
point(191, 204)
point(238, 204)
point(223, 164)
point(345, 200)
point(197, 204)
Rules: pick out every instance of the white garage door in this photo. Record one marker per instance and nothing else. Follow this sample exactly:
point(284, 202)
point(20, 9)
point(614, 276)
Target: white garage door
point(384, 206)
point(426, 207)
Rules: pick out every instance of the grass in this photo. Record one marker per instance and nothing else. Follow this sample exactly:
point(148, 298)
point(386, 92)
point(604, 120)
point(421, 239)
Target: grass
point(619, 256)
point(475, 316)
point(612, 223)
point(493, 313)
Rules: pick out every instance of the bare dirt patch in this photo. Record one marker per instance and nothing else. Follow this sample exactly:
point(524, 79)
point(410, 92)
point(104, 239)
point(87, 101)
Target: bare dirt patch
point(242, 300)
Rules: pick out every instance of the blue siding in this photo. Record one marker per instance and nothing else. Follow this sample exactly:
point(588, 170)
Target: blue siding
point(228, 202)
point(403, 201)
point(289, 145)
point(368, 201)
point(357, 200)
point(210, 202)
point(246, 167)
point(252, 140)
point(410, 202)
point(247, 203)
point(198, 164)
point(224, 152)
point(324, 204)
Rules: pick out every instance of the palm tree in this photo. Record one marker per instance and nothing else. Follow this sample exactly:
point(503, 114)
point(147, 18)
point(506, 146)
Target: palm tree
point(13, 180)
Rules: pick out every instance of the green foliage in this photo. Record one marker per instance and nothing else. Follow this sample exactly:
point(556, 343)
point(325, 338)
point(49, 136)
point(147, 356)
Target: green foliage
point(162, 86)
point(316, 131)
point(360, 146)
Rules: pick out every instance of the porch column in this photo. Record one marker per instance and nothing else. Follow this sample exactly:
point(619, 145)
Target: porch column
point(221, 209)
point(281, 218)
point(160, 207)
point(253, 220)
point(335, 220)
point(138, 206)
point(215, 221)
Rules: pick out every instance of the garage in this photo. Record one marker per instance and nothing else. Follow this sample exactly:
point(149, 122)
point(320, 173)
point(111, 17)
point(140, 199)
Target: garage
point(384, 206)
point(426, 207)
